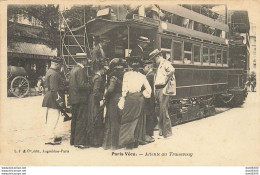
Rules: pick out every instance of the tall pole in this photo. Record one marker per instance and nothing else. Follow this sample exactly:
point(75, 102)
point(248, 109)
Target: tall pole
point(226, 21)
point(128, 37)
point(128, 42)
point(84, 23)
point(226, 17)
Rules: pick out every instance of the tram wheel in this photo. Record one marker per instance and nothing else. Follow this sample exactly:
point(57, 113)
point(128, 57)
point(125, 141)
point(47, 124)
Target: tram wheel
point(230, 100)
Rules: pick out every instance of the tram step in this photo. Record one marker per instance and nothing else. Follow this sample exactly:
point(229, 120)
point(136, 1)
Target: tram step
point(187, 114)
point(191, 113)
point(208, 111)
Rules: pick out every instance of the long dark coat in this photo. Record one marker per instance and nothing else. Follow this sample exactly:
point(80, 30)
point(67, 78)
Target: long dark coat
point(151, 119)
point(114, 114)
point(138, 53)
point(79, 87)
point(55, 85)
point(79, 90)
point(95, 112)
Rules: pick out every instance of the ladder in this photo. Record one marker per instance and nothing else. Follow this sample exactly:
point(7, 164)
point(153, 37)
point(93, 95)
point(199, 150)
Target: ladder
point(74, 45)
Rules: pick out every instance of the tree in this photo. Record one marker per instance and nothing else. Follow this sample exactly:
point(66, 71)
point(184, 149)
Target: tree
point(48, 15)
point(75, 16)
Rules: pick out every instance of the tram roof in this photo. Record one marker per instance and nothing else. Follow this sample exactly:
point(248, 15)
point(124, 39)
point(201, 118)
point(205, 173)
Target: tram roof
point(99, 26)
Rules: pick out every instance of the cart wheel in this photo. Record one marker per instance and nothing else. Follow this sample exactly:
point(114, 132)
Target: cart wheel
point(20, 86)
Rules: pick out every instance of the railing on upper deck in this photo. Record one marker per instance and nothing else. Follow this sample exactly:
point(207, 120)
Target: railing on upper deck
point(206, 11)
point(146, 19)
point(182, 18)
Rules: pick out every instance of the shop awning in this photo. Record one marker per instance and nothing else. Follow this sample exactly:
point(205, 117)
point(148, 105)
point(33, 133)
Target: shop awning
point(31, 49)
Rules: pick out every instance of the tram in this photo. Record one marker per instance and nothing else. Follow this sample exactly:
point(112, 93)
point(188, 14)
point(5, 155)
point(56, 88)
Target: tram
point(193, 37)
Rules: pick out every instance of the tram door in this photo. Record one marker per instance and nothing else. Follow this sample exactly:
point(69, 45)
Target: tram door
point(136, 33)
point(120, 41)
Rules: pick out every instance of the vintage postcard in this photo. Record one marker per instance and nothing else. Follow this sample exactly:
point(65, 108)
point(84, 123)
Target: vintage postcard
point(131, 83)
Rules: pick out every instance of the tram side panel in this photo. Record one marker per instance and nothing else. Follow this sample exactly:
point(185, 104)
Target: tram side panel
point(192, 82)
point(201, 84)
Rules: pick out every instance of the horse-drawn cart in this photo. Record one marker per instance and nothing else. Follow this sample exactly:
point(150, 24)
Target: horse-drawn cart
point(18, 84)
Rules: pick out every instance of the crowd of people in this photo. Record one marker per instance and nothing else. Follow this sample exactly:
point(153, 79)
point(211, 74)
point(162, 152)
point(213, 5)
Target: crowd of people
point(115, 108)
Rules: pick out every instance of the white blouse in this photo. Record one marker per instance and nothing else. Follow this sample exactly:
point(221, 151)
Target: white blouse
point(133, 82)
point(164, 70)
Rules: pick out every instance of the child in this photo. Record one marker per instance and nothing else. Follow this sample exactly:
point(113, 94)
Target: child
point(40, 86)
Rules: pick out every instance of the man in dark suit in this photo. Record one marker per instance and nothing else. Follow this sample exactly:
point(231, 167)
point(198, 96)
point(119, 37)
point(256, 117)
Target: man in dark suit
point(54, 121)
point(138, 50)
point(151, 119)
point(79, 90)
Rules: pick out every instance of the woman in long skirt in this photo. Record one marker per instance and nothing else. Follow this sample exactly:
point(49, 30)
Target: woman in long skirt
point(95, 128)
point(113, 116)
point(132, 130)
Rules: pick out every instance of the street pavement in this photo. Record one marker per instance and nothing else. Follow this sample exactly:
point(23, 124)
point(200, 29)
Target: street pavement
point(231, 137)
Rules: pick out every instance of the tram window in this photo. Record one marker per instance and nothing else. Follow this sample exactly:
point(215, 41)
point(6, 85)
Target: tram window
point(205, 28)
point(205, 55)
point(224, 57)
point(196, 54)
point(187, 52)
point(218, 57)
point(212, 56)
point(177, 51)
point(198, 26)
point(166, 48)
point(166, 43)
point(166, 55)
point(167, 17)
point(218, 33)
point(177, 20)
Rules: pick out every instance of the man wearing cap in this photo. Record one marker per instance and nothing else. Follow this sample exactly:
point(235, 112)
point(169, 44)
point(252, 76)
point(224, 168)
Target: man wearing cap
point(164, 87)
point(79, 90)
point(138, 51)
point(54, 121)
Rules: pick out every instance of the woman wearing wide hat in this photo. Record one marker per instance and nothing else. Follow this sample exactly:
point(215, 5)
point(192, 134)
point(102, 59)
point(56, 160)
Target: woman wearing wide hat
point(95, 128)
point(132, 129)
point(112, 96)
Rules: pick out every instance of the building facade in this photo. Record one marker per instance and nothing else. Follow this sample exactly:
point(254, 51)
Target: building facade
point(27, 47)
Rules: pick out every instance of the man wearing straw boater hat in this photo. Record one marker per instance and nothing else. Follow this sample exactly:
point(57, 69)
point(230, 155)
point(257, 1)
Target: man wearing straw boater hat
point(79, 90)
point(165, 87)
point(138, 50)
point(54, 120)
